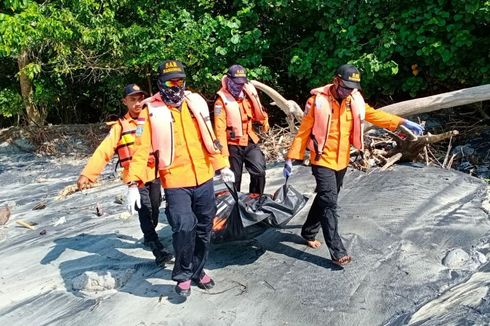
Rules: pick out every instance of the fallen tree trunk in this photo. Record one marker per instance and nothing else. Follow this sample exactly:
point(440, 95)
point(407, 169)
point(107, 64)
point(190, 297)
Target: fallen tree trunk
point(289, 107)
point(437, 102)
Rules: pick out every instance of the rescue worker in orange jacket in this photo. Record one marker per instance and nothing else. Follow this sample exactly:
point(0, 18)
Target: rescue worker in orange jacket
point(237, 112)
point(334, 117)
point(121, 140)
point(179, 131)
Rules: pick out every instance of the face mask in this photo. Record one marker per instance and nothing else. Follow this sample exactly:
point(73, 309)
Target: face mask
point(234, 88)
point(343, 92)
point(172, 95)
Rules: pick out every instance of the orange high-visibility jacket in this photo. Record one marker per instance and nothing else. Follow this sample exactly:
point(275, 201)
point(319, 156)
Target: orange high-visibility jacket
point(336, 152)
point(105, 151)
point(192, 165)
point(221, 127)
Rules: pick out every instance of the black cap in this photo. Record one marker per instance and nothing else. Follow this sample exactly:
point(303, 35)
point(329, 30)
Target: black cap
point(238, 74)
point(170, 69)
point(131, 89)
point(350, 75)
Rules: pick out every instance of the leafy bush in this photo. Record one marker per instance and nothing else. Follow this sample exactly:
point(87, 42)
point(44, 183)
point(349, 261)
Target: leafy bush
point(81, 53)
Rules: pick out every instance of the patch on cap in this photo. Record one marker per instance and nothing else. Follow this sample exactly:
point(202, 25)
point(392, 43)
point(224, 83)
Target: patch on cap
point(355, 77)
point(170, 66)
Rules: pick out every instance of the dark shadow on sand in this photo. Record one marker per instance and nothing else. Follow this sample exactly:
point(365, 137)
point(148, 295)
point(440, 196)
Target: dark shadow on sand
point(248, 251)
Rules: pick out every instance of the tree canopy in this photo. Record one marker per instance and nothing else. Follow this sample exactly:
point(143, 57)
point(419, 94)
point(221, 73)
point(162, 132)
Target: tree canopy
point(67, 61)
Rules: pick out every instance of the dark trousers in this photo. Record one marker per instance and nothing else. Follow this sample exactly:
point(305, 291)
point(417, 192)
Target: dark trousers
point(190, 212)
point(323, 211)
point(151, 198)
point(254, 161)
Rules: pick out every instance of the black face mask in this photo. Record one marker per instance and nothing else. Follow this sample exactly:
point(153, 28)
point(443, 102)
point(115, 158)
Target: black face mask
point(172, 95)
point(235, 89)
point(343, 92)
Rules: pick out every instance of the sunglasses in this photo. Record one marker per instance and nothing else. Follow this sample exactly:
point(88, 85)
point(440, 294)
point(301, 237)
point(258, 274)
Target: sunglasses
point(174, 83)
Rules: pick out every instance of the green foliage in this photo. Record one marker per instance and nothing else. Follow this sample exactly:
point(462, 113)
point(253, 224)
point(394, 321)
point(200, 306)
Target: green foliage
point(10, 102)
point(82, 53)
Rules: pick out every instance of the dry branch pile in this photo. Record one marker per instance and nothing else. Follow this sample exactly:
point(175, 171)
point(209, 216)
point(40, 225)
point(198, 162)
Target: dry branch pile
point(276, 142)
point(58, 140)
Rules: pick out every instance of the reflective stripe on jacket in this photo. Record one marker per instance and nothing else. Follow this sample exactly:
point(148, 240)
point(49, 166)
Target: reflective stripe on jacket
point(124, 148)
point(108, 147)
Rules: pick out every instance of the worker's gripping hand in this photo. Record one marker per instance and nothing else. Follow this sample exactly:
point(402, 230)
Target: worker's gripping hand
point(288, 169)
point(134, 199)
point(413, 127)
point(227, 175)
point(82, 182)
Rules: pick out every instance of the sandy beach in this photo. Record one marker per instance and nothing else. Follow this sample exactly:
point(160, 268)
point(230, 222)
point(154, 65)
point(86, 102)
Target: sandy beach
point(420, 238)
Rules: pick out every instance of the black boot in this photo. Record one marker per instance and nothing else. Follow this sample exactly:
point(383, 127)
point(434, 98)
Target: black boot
point(162, 255)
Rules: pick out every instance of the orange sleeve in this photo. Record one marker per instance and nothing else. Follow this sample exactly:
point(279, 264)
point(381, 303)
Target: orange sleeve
point(142, 148)
point(382, 119)
point(220, 125)
point(298, 147)
point(103, 154)
point(219, 161)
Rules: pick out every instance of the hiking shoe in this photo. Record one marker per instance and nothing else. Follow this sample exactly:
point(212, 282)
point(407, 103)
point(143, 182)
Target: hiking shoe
point(183, 288)
point(344, 260)
point(206, 282)
point(150, 243)
point(163, 257)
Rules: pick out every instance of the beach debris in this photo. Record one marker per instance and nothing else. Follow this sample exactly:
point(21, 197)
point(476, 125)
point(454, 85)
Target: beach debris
point(125, 216)
point(456, 258)
point(119, 199)
point(98, 210)
point(61, 220)
point(71, 189)
point(4, 214)
point(68, 190)
point(40, 205)
point(93, 281)
point(43, 232)
point(26, 224)
point(41, 179)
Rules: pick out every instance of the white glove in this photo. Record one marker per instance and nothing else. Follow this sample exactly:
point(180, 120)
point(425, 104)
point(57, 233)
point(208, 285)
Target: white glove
point(227, 175)
point(134, 199)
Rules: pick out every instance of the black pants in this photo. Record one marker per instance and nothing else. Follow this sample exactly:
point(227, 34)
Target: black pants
point(190, 212)
point(323, 211)
point(254, 161)
point(151, 198)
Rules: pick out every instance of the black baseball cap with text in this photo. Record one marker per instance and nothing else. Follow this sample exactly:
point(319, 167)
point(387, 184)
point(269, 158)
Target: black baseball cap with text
point(131, 89)
point(238, 74)
point(350, 75)
point(171, 69)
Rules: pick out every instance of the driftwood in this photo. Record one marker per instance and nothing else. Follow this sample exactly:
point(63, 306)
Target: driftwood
point(437, 102)
point(410, 147)
point(289, 107)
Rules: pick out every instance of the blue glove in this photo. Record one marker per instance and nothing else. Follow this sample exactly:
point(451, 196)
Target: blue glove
point(413, 127)
point(288, 169)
